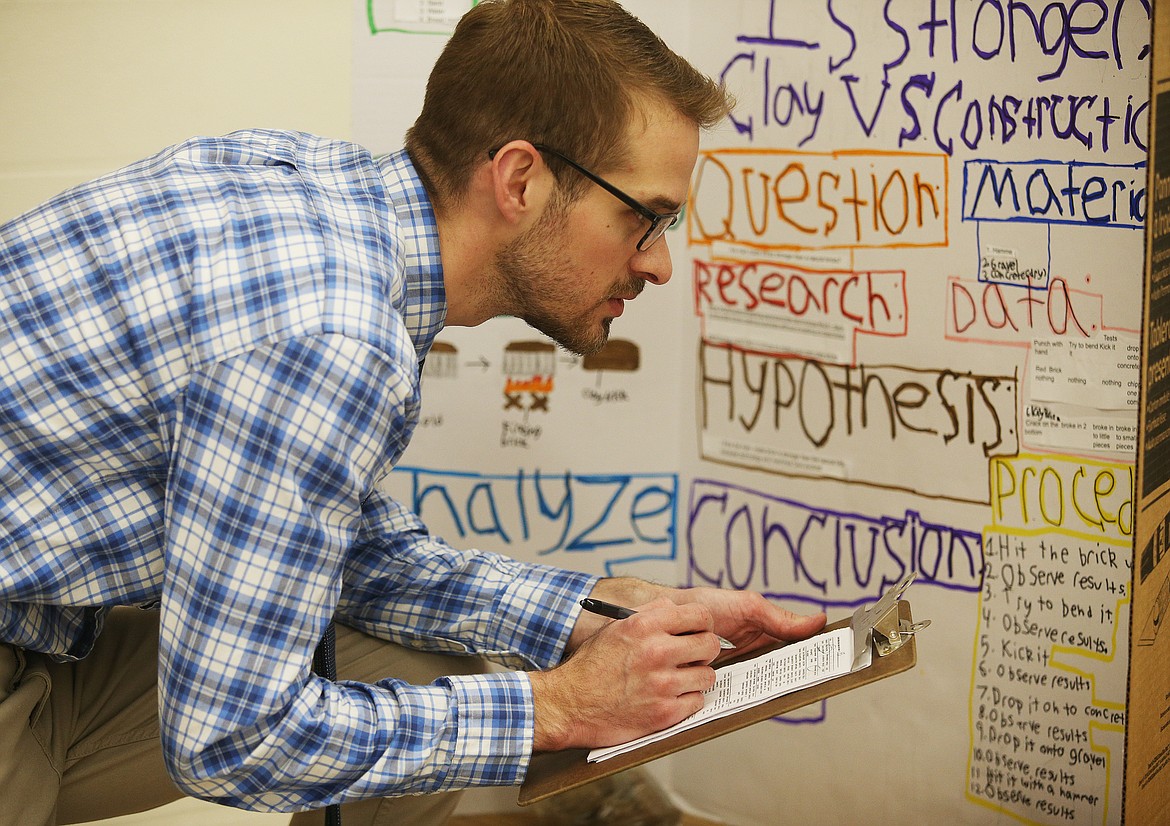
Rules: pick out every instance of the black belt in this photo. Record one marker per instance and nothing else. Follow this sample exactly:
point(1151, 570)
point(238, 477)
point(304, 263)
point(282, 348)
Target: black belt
point(325, 664)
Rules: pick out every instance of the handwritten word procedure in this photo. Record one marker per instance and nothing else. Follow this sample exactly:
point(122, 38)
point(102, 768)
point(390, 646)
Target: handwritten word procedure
point(1080, 497)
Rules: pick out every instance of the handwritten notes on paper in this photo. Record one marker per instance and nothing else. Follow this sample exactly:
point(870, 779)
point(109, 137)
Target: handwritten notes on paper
point(745, 684)
point(1083, 393)
point(1102, 371)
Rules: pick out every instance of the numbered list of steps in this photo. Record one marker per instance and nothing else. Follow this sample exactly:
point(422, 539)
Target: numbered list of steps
point(1047, 706)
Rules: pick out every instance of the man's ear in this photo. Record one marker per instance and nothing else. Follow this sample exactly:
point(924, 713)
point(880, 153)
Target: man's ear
point(521, 182)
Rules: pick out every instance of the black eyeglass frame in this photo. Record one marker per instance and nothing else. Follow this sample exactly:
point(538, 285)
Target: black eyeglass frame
point(659, 223)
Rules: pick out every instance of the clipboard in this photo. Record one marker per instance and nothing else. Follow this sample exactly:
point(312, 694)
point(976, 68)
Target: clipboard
point(887, 626)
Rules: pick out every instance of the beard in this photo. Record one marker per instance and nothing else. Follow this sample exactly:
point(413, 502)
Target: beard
point(539, 283)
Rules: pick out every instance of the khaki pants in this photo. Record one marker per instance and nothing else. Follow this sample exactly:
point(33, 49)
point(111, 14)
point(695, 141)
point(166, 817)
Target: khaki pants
point(80, 741)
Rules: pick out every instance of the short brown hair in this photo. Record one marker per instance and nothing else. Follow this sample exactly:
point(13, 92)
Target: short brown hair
point(567, 73)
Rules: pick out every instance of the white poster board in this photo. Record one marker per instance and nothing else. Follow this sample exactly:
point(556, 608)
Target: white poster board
point(901, 333)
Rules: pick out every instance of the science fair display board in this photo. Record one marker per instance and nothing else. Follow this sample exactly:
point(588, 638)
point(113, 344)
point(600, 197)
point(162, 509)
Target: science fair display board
point(903, 333)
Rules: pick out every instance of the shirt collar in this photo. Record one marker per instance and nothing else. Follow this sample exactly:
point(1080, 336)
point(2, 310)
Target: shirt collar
point(426, 299)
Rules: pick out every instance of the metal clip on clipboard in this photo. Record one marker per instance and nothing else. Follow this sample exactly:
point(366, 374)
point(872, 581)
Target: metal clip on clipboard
point(881, 624)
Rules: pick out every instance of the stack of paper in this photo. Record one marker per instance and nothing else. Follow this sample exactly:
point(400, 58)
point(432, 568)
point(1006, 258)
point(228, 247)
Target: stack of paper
point(755, 681)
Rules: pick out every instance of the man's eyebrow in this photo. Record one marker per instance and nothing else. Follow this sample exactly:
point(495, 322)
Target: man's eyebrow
point(663, 204)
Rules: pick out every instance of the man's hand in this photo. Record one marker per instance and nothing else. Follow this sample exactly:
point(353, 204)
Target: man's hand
point(623, 679)
point(743, 617)
point(749, 620)
point(632, 677)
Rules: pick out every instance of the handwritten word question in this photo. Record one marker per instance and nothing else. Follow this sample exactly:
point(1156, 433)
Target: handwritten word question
point(793, 200)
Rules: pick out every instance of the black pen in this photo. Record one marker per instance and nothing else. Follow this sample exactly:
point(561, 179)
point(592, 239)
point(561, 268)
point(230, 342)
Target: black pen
point(617, 612)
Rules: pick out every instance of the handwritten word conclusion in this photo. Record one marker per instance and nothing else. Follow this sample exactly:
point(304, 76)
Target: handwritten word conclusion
point(746, 539)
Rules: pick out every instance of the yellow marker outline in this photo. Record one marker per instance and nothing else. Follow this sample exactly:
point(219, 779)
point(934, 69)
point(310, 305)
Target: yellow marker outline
point(1053, 661)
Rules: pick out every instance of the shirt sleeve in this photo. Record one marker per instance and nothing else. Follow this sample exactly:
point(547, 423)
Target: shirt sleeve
point(407, 586)
point(275, 453)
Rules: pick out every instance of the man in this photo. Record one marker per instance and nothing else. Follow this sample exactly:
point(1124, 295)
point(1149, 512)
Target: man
point(211, 358)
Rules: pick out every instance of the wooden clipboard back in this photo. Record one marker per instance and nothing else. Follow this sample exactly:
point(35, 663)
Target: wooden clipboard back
point(551, 773)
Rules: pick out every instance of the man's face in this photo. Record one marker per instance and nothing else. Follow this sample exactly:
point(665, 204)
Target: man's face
point(571, 274)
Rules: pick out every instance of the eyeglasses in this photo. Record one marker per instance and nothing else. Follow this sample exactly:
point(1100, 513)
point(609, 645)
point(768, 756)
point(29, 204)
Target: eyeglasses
point(659, 223)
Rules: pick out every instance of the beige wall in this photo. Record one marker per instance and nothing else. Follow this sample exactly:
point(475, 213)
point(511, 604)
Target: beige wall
point(89, 85)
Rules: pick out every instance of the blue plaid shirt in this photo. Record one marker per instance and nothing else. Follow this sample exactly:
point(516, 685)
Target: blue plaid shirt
point(208, 360)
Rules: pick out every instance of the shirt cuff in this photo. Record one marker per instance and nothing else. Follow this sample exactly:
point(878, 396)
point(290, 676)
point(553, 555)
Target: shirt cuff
point(538, 610)
point(495, 726)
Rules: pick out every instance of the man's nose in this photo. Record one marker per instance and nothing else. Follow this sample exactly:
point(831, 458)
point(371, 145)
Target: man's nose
point(653, 264)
